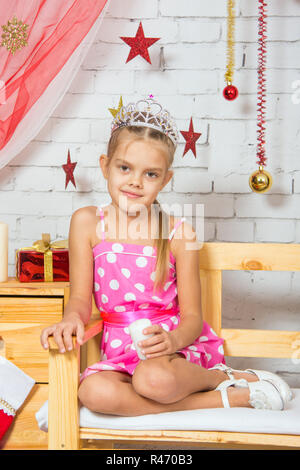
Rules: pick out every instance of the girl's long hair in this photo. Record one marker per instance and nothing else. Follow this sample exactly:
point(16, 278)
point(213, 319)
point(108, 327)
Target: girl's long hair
point(161, 243)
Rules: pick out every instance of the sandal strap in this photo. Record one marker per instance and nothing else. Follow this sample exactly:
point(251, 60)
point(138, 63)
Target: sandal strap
point(223, 386)
point(228, 370)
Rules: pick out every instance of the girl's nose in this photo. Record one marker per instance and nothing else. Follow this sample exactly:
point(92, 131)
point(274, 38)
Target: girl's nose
point(136, 180)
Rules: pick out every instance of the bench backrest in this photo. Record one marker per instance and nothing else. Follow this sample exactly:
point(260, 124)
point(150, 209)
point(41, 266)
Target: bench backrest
point(218, 257)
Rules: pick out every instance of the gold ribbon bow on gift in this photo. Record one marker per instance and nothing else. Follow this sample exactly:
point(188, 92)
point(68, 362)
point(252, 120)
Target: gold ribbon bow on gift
point(45, 246)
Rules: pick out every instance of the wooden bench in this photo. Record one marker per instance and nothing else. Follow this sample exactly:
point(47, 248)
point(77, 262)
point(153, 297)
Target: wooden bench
point(214, 258)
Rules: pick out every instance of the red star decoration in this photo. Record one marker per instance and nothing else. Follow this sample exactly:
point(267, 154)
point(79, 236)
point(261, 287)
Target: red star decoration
point(139, 45)
point(191, 138)
point(69, 169)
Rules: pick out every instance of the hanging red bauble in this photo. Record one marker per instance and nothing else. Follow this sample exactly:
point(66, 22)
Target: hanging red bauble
point(230, 92)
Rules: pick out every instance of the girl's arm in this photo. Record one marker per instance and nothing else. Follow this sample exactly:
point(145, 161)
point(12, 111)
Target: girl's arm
point(78, 309)
point(188, 287)
point(80, 266)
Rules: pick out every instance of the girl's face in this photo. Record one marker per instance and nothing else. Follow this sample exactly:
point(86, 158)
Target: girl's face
point(139, 167)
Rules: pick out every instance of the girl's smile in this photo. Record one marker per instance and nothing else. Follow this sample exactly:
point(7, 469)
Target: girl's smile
point(132, 195)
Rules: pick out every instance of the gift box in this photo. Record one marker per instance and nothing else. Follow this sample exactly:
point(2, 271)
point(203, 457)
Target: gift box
point(43, 261)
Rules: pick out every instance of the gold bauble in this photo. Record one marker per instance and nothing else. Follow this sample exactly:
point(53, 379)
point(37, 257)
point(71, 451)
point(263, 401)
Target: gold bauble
point(260, 181)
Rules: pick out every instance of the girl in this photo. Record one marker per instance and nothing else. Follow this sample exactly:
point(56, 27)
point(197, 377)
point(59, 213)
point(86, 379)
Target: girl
point(150, 277)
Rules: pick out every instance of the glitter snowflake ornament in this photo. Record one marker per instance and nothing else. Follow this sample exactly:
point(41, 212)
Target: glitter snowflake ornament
point(14, 35)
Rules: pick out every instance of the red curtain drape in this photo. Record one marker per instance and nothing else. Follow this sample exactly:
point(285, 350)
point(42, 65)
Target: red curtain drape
point(55, 29)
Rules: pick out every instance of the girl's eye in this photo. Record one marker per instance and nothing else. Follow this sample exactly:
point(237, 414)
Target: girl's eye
point(149, 172)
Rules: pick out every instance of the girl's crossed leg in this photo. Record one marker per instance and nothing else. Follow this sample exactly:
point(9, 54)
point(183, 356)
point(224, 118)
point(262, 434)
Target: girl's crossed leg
point(162, 384)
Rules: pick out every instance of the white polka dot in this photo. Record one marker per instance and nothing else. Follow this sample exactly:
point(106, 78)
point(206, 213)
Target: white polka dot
point(107, 367)
point(120, 308)
point(167, 285)
point(148, 250)
point(156, 298)
point(126, 330)
point(169, 306)
point(193, 348)
point(114, 284)
point(115, 343)
point(126, 272)
point(196, 354)
point(106, 337)
point(203, 338)
point(111, 257)
point(128, 346)
point(141, 262)
point(101, 272)
point(140, 287)
point(221, 349)
point(96, 286)
point(121, 364)
point(174, 320)
point(104, 357)
point(129, 296)
point(152, 276)
point(208, 356)
point(188, 356)
point(117, 247)
point(175, 290)
point(213, 332)
point(144, 305)
point(165, 327)
point(104, 298)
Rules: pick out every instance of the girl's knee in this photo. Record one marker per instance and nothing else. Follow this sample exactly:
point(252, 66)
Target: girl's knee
point(99, 395)
point(155, 381)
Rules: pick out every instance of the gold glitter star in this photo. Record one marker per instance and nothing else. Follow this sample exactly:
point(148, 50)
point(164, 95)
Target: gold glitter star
point(14, 35)
point(114, 112)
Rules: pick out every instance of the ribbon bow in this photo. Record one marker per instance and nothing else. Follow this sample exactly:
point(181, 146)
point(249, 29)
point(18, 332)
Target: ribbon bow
point(45, 246)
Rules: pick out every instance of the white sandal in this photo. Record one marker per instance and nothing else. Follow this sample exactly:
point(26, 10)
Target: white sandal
point(264, 394)
point(285, 391)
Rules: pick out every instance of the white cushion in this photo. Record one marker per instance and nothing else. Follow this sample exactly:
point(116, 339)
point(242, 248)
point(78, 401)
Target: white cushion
point(213, 419)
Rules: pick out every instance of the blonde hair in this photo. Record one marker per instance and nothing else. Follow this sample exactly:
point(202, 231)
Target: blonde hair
point(162, 244)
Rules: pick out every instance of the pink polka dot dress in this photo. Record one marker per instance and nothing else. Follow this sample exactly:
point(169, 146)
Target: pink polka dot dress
point(123, 283)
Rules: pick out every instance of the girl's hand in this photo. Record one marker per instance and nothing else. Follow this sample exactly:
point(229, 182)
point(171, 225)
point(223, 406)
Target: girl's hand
point(62, 333)
point(163, 342)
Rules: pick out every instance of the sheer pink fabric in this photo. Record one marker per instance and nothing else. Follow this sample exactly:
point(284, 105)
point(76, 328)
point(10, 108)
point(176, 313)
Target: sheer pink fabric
point(55, 30)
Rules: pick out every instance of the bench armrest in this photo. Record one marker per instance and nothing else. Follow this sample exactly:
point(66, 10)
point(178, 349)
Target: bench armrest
point(90, 330)
point(63, 406)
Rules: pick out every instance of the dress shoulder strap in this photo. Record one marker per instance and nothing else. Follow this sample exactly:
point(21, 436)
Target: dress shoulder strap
point(179, 222)
point(102, 222)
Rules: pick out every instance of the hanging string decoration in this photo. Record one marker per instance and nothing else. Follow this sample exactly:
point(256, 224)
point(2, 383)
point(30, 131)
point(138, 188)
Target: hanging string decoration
point(261, 181)
point(230, 92)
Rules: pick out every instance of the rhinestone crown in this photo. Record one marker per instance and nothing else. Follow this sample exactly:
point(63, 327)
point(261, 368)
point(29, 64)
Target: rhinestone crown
point(146, 113)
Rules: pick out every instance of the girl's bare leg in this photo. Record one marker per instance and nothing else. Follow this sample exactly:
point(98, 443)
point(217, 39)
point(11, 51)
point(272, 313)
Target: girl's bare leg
point(112, 392)
point(170, 378)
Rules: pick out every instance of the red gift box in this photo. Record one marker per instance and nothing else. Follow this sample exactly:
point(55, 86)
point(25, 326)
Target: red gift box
point(43, 261)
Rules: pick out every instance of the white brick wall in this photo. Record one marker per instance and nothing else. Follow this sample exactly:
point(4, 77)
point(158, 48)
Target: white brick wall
point(193, 36)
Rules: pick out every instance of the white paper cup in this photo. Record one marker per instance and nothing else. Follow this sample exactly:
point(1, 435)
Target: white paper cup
point(136, 332)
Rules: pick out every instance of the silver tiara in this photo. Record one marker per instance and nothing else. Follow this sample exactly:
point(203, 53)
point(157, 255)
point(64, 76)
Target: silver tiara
point(146, 113)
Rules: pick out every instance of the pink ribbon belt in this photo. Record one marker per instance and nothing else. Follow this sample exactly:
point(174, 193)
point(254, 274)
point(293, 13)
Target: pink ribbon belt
point(125, 318)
